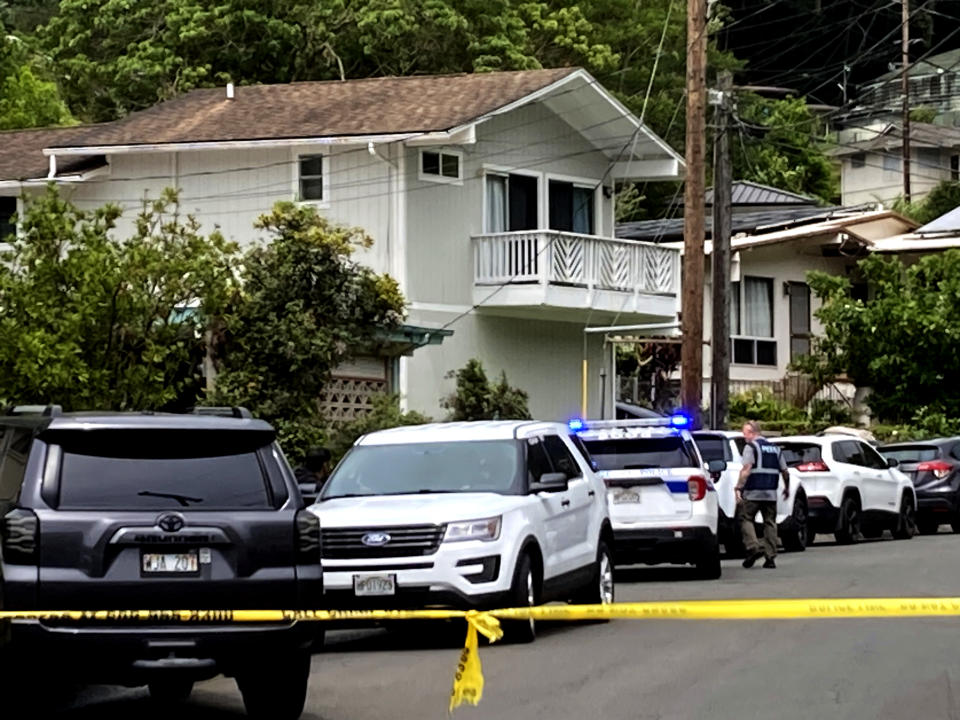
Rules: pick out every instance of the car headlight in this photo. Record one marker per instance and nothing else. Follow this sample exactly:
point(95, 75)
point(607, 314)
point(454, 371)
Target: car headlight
point(486, 529)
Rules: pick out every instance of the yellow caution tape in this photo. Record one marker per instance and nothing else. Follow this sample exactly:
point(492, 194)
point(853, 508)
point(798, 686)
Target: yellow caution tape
point(468, 680)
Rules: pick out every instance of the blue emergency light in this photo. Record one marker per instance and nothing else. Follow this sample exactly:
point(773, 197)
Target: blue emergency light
point(576, 425)
point(680, 421)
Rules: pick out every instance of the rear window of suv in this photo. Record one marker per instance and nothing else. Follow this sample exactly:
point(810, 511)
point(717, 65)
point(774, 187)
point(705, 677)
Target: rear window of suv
point(641, 453)
point(800, 453)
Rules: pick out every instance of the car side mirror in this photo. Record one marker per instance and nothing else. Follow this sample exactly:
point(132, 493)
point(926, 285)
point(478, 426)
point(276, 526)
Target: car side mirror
point(309, 492)
point(550, 482)
point(715, 467)
point(893, 462)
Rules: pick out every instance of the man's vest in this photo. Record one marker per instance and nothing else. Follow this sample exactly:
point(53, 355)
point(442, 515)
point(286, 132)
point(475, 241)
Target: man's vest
point(765, 475)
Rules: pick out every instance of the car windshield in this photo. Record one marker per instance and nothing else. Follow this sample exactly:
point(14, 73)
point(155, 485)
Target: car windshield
point(640, 453)
point(437, 467)
point(912, 453)
point(799, 453)
point(711, 446)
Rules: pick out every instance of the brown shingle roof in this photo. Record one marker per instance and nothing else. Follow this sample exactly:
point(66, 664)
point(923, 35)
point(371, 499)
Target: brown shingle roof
point(22, 158)
point(321, 109)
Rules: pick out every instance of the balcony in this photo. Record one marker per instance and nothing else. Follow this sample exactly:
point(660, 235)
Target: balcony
point(548, 274)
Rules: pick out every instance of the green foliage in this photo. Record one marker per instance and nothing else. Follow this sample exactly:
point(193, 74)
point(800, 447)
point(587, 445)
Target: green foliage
point(385, 413)
point(763, 406)
point(923, 114)
point(476, 399)
point(904, 342)
point(91, 322)
point(830, 412)
point(943, 198)
point(305, 307)
point(28, 95)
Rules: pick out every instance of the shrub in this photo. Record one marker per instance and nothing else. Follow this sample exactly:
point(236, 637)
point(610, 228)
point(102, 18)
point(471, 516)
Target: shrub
point(385, 413)
point(476, 399)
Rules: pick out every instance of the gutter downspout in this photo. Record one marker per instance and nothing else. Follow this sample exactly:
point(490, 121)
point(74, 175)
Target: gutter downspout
point(52, 173)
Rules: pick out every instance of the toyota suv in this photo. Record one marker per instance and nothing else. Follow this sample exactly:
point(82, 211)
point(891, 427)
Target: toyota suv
point(156, 512)
point(466, 515)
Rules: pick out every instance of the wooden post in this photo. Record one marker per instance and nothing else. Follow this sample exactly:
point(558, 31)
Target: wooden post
point(905, 90)
point(692, 303)
point(722, 189)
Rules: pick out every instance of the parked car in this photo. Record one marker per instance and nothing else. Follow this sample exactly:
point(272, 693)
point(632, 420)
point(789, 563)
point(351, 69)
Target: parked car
point(791, 512)
point(466, 515)
point(852, 491)
point(934, 468)
point(156, 512)
point(662, 498)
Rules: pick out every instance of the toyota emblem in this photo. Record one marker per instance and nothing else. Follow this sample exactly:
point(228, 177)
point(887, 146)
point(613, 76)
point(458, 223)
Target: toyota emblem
point(375, 539)
point(171, 522)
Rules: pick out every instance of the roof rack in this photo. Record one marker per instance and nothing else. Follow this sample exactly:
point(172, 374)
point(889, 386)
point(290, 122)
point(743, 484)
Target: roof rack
point(235, 411)
point(44, 410)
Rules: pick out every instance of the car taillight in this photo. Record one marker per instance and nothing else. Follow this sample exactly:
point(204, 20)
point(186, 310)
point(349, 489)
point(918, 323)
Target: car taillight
point(939, 468)
point(696, 487)
point(19, 533)
point(308, 537)
point(815, 466)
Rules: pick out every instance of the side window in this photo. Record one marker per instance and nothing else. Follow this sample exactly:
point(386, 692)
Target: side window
point(849, 452)
point(579, 445)
point(14, 464)
point(537, 461)
point(562, 459)
point(955, 451)
point(872, 457)
point(741, 443)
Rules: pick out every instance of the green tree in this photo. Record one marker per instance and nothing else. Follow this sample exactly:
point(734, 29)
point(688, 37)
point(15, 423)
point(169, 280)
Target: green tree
point(943, 198)
point(91, 322)
point(903, 342)
point(476, 399)
point(384, 413)
point(305, 307)
point(28, 96)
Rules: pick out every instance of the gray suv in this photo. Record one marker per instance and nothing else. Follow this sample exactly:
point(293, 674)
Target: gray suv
point(156, 512)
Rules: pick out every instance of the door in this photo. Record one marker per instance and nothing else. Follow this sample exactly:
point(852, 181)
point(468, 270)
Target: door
point(578, 546)
point(714, 446)
point(883, 485)
point(799, 320)
point(849, 463)
point(554, 511)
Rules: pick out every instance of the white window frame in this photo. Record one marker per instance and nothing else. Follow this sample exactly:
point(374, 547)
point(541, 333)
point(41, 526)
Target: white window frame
point(542, 223)
point(296, 154)
point(581, 182)
point(755, 338)
point(429, 177)
point(18, 231)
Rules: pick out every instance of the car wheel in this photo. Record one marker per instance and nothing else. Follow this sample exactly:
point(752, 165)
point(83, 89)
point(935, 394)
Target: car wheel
point(796, 532)
point(708, 562)
point(171, 692)
point(525, 592)
point(907, 520)
point(848, 524)
point(277, 687)
point(930, 527)
point(811, 535)
point(600, 590)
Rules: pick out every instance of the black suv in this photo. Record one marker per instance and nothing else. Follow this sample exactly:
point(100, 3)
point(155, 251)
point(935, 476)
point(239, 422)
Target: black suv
point(156, 512)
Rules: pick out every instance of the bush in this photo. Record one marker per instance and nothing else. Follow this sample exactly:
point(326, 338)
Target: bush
point(476, 399)
point(830, 412)
point(763, 406)
point(385, 413)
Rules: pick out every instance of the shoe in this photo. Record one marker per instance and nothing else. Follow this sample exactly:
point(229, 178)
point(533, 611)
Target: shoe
point(770, 564)
point(752, 558)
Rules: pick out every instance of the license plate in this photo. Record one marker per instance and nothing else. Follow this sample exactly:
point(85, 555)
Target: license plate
point(170, 562)
point(626, 497)
point(372, 585)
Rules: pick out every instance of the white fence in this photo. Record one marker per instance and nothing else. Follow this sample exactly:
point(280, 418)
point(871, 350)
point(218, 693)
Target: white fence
point(562, 258)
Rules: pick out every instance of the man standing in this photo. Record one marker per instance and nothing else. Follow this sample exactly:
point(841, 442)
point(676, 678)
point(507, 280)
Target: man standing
point(763, 466)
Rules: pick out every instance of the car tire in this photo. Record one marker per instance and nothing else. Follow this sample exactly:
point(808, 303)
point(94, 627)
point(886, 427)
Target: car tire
point(930, 527)
point(955, 523)
point(848, 524)
point(276, 688)
point(906, 526)
point(600, 589)
point(524, 592)
point(811, 534)
point(170, 691)
point(708, 562)
point(796, 533)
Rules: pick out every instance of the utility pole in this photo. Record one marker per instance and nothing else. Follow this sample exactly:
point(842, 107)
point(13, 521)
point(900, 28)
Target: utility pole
point(691, 357)
point(905, 91)
point(722, 188)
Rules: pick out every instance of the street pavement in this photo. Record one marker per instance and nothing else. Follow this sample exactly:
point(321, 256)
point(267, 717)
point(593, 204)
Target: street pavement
point(663, 669)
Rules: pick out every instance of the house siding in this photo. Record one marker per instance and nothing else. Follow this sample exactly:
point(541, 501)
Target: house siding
point(872, 183)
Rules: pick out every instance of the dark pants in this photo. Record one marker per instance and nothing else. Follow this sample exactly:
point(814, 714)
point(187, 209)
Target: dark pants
point(768, 511)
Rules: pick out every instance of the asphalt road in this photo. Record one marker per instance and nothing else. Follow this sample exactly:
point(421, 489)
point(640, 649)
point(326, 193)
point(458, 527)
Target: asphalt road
point(641, 670)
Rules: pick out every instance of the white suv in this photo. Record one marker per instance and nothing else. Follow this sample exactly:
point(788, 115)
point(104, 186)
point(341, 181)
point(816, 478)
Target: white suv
point(466, 515)
point(791, 512)
point(852, 491)
point(662, 499)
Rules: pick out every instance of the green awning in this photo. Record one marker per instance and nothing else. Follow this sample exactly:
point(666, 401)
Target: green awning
point(407, 338)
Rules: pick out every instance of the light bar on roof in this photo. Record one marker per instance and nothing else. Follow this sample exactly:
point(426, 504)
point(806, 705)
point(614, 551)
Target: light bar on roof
point(675, 421)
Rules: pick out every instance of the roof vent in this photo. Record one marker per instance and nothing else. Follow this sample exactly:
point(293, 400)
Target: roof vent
point(229, 91)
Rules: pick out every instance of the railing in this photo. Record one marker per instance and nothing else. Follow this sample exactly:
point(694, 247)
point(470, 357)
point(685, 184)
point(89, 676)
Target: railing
point(562, 258)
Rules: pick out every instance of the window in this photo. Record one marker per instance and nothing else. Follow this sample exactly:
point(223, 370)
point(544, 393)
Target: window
point(14, 464)
point(571, 207)
point(751, 315)
point(849, 452)
point(800, 453)
point(758, 307)
point(955, 167)
point(713, 447)
point(641, 453)
point(8, 209)
point(891, 162)
point(437, 165)
point(538, 464)
point(858, 160)
point(928, 159)
point(562, 459)
point(912, 453)
point(311, 177)
point(799, 320)
point(735, 308)
point(511, 203)
point(872, 458)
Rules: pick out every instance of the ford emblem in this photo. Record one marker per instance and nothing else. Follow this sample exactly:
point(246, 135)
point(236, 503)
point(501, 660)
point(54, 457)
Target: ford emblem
point(375, 539)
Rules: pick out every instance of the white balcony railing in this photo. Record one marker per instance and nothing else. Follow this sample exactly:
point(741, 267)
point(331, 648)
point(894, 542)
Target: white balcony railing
point(551, 257)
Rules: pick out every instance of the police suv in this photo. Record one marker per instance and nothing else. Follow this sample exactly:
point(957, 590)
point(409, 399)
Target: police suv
point(663, 504)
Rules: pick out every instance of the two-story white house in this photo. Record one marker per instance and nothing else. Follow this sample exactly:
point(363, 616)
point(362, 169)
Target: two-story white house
point(489, 198)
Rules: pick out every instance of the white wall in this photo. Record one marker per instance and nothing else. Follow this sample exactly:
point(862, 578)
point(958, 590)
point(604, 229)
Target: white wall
point(871, 183)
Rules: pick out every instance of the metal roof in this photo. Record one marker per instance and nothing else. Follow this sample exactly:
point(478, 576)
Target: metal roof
point(947, 223)
point(744, 192)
